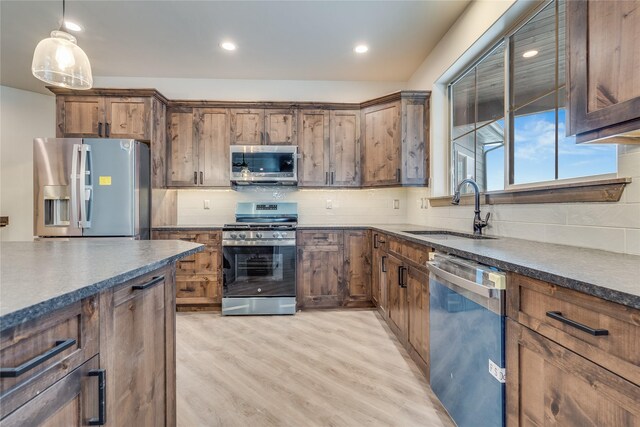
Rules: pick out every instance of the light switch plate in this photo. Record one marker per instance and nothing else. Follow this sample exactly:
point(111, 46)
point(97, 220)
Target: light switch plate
point(329, 204)
point(207, 204)
point(396, 204)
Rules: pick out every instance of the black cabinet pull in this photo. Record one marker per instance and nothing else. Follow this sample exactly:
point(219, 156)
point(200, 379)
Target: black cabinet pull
point(405, 270)
point(99, 128)
point(107, 129)
point(398, 173)
point(384, 263)
point(149, 284)
point(61, 345)
point(326, 178)
point(333, 176)
point(401, 282)
point(375, 241)
point(195, 178)
point(102, 393)
point(584, 328)
point(201, 177)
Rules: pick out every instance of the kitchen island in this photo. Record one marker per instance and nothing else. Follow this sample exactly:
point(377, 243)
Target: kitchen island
point(87, 332)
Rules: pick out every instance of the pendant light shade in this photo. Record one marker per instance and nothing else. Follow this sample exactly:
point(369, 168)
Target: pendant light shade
point(59, 61)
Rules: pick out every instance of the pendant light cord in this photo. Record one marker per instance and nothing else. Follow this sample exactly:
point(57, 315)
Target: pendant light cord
point(62, 23)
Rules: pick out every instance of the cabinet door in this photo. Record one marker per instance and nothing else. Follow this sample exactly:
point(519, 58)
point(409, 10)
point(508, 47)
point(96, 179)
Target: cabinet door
point(602, 65)
point(418, 292)
point(247, 126)
point(183, 152)
point(548, 384)
point(320, 276)
point(313, 138)
point(70, 402)
point(281, 127)
point(127, 118)
point(136, 345)
point(398, 305)
point(357, 268)
point(345, 148)
point(79, 116)
point(381, 149)
point(414, 142)
point(212, 140)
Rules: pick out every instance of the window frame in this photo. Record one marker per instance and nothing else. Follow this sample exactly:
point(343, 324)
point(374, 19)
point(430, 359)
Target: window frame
point(509, 185)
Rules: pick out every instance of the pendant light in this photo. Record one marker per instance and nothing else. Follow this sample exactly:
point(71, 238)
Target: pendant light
point(59, 61)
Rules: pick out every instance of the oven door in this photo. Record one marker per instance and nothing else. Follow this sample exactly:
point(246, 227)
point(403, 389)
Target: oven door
point(259, 271)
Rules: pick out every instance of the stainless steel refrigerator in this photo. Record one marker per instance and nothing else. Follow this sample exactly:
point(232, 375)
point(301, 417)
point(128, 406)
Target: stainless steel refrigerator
point(91, 187)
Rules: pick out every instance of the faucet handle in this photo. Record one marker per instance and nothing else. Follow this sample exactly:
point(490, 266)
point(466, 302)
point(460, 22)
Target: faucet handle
point(486, 219)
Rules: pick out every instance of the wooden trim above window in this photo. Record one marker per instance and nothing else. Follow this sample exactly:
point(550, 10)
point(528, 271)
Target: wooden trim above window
point(604, 190)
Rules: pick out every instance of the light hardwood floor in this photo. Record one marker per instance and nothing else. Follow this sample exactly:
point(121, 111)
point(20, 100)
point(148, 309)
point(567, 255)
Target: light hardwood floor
point(317, 368)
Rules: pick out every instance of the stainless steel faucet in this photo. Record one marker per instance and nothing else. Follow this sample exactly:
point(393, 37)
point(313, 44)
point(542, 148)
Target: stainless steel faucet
point(478, 223)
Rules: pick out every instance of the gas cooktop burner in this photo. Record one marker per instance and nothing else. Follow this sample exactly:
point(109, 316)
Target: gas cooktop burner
point(260, 226)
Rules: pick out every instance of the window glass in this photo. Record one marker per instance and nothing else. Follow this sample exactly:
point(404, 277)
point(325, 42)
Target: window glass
point(490, 154)
point(463, 95)
point(464, 158)
point(534, 141)
point(533, 55)
point(490, 87)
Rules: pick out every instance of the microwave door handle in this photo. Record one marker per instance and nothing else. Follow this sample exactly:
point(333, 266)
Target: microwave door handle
point(73, 182)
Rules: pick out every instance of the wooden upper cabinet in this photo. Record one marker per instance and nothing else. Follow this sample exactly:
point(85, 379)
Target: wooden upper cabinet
point(78, 116)
point(198, 147)
point(127, 118)
point(313, 140)
point(345, 148)
point(395, 148)
point(183, 155)
point(381, 148)
point(212, 139)
point(280, 126)
point(603, 71)
point(247, 126)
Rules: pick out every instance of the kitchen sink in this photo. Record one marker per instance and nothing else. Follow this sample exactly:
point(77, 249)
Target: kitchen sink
point(444, 234)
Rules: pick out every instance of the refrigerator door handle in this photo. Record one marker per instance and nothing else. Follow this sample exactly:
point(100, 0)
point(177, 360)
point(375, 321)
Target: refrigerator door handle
point(85, 189)
point(73, 182)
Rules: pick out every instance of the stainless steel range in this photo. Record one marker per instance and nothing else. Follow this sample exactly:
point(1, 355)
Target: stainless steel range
point(259, 264)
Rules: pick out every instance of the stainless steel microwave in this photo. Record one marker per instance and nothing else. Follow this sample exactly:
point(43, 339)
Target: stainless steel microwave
point(264, 164)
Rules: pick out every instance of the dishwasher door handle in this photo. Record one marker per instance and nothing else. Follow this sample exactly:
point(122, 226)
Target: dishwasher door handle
point(466, 284)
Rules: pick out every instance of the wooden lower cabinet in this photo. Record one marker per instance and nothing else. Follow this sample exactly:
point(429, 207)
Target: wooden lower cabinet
point(357, 268)
point(137, 331)
point(320, 276)
point(199, 276)
point(378, 270)
point(418, 295)
point(70, 402)
point(398, 302)
point(548, 384)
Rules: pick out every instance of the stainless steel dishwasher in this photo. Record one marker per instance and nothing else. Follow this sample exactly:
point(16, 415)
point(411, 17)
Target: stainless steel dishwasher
point(466, 330)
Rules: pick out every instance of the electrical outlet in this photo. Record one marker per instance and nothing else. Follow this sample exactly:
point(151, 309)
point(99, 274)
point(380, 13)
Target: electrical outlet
point(329, 204)
point(396, 204)
point(207, 204)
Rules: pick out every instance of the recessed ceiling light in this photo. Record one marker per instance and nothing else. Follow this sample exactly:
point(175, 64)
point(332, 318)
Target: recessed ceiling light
point(228, 46)
point(530, 54)
point(361, 48)
point(72, 26)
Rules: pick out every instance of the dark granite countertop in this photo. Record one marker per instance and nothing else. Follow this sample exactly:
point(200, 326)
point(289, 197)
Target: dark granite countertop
point(39, 277)
point(607, 275)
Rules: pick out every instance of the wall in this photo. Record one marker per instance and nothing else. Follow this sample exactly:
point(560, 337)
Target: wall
point(347, 206)
point(609, 226)
point(256, 90)
point(23, 116)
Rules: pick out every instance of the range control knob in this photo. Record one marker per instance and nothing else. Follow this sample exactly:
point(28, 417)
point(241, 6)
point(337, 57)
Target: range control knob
point(283, 234)
point(259, 235)
point(242, 235)
point(277, 235)
point(234, 235)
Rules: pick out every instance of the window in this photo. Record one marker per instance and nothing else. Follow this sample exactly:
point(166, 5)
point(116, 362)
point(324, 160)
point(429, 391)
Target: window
point(536, 146)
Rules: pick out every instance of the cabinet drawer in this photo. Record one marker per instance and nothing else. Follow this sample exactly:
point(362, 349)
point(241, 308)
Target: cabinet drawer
point(550, 311)
point(418, 254)
point(35, 355)
point(320, 238)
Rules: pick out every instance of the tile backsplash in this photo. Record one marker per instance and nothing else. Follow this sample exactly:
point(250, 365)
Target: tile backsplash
point(326, 206)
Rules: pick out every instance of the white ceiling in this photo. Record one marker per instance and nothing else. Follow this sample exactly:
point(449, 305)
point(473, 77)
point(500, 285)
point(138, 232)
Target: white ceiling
point(279, 40)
